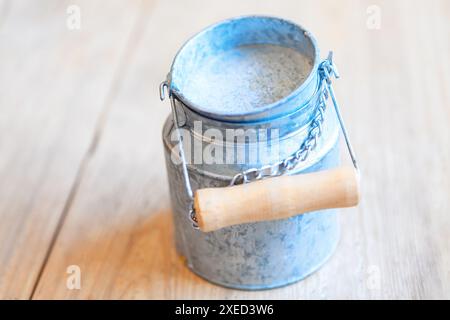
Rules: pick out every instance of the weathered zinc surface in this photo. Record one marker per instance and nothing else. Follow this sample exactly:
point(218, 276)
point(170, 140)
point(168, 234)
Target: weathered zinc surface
point(251, 73)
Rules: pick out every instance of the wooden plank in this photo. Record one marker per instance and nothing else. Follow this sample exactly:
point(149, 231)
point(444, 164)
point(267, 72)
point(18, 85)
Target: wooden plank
point(55, 82)
point(395, 245)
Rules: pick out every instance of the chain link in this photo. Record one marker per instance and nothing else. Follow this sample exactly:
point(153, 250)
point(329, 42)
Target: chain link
point(279, 168)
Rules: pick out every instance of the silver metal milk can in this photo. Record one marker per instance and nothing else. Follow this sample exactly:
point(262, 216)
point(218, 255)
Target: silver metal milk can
point(252, 153)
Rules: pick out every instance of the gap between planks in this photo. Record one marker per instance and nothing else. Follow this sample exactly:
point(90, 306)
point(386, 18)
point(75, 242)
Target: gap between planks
point(135, 36)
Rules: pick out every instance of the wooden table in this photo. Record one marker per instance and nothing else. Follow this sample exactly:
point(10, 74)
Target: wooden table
point(82, 177)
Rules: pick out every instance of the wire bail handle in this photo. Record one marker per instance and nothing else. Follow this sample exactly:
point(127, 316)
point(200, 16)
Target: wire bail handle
point(163, 89)
point(327, 70)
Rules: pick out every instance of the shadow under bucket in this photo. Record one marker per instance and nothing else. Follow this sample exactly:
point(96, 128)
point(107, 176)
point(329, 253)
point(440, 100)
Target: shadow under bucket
point(257, 73)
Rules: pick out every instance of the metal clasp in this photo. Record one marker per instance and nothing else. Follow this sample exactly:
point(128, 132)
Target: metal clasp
point(328, 69)
point(163, 89)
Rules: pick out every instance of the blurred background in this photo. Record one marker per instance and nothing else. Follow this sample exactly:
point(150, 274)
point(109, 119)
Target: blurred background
point(83, 189)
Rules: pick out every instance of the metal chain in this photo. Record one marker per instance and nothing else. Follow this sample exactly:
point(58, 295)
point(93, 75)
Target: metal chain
point(327, 69)
point(279, 168)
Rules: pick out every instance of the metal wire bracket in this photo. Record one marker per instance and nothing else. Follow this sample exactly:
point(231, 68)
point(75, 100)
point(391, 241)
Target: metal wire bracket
point(327, 70)
point(163, 87)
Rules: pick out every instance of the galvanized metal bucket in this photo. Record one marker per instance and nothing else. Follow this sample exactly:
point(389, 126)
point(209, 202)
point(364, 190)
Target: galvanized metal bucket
point(262, 254)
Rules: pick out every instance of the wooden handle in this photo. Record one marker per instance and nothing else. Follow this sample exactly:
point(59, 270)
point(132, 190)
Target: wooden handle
point(276, 198)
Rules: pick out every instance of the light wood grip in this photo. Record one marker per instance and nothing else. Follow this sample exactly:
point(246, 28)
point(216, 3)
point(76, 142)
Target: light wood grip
point(276, 198)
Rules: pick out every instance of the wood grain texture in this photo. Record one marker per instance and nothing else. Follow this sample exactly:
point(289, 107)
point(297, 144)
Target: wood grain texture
point(54, 83)
point(276, 198)
point(117, 228)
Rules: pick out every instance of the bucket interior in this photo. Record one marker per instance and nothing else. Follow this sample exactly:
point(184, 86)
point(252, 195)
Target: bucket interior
point(243, 65)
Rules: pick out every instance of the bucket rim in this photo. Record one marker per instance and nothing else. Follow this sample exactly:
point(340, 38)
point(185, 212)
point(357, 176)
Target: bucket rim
point(275, 108)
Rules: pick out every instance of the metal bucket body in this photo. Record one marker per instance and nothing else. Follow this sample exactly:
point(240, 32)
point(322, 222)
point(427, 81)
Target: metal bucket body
point(265, 254)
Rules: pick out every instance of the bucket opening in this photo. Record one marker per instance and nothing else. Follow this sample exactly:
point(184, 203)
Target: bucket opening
point(244, 66)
